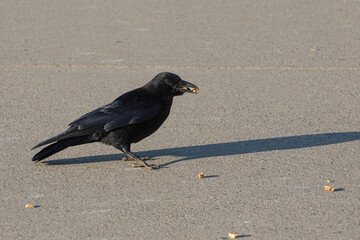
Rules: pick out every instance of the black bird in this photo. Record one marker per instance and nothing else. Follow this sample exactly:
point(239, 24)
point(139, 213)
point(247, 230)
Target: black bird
point(130, 118)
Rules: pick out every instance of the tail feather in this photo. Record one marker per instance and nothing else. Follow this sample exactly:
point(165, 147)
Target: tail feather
point(59, 146)
point(71, 132)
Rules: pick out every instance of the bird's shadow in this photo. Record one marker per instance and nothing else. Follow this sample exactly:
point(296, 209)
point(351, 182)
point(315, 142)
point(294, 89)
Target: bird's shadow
point(226, 149)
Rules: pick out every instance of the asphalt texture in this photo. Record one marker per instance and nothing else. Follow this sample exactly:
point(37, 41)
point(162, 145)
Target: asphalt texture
point(277, 116)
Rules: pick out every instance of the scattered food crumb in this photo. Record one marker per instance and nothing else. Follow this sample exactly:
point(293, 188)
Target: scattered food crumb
point(329, 181)
point(327, 188)
point(29, 206)
point(201, 175)
point(233, 235)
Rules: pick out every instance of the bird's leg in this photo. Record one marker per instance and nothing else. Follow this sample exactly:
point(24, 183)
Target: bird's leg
point(126, 150)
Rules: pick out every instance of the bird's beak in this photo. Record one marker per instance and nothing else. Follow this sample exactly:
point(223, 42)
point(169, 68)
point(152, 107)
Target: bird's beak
point(184, 86)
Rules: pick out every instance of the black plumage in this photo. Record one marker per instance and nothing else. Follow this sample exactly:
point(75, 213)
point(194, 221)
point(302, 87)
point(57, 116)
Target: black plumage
point(128, 119)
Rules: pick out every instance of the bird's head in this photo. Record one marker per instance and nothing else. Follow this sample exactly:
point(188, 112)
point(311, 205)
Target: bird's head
point(171, 84)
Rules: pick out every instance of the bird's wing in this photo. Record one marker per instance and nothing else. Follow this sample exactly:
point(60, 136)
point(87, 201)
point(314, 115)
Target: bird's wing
point(130, 108)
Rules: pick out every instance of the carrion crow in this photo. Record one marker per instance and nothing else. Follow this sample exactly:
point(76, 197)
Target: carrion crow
point(130, 118)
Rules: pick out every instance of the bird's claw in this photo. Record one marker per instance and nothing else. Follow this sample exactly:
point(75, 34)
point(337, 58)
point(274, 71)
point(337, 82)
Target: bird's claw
point(132, 159)
point(145, 165)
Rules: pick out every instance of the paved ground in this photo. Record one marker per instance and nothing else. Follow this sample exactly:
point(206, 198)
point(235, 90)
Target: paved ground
point(277, 115)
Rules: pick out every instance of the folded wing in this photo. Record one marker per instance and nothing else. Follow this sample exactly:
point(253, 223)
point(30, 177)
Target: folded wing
point(131, 108)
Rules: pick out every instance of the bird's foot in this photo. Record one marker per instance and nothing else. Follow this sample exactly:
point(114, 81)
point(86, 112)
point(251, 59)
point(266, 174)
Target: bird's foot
point(132, 159)
point(141, 162)
point(146, 165)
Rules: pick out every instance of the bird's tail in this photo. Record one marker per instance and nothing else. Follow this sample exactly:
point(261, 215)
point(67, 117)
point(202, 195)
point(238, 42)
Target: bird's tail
point(71, 132)
point(59, 146)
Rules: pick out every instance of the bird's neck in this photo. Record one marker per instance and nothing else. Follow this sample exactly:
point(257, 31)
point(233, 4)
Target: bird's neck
point(168, 99)
point(165, 98)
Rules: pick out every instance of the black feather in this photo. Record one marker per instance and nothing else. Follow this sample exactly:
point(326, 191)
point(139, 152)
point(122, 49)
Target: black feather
point(59, 146)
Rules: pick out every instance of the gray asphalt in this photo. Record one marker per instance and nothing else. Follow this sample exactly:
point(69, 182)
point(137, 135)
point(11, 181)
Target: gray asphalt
point(277, 116)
